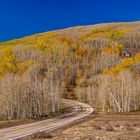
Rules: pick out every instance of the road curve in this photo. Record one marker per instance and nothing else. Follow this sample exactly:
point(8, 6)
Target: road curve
point(80, 110)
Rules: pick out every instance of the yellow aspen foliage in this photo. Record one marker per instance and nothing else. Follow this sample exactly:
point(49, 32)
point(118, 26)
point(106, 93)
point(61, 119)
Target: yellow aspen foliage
point(79, 73)
point(117, 69)
point(118, 49)
point(126, 63)
point(66, 41)
point(41, 44)
point(79, 81)
point(118, 32)
point(114, 50)
point(109, 50)
point(22, 67)
point(106, 71)
point(137, 57)
point(7, 61)
point(112, 34)
point(51, 35)
point(109, 33)
point(80, 51)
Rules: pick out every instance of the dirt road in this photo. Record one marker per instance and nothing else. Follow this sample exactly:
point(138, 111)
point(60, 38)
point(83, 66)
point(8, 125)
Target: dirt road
point(80, 110)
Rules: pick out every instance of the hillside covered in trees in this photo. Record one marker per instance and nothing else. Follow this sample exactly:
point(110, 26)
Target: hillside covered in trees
point(96, 64)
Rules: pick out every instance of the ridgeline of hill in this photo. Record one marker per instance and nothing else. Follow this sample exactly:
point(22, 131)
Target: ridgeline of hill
point(97, 64)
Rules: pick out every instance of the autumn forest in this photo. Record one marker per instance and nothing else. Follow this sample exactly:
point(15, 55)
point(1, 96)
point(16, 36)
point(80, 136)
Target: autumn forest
point(96, 64)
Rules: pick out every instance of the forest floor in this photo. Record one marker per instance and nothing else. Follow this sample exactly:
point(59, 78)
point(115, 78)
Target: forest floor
point(10, 123)
point(122, 126)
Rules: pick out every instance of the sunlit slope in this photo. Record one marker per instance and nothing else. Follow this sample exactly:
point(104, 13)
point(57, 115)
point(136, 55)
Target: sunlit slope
point(110, 31)
point(58, 63)
point(113, 37)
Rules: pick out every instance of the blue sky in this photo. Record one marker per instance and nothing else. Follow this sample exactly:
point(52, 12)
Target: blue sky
point(19, 18)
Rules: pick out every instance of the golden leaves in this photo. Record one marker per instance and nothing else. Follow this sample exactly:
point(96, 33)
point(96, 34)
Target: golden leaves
point(126, 64)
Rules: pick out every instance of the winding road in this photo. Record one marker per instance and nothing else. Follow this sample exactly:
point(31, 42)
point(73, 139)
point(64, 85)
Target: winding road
point(80, 110)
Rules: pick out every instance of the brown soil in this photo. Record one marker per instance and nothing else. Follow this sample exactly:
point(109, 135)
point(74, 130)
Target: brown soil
point(124, 126)
point(10, 123)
